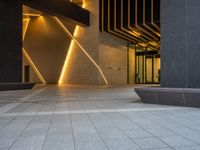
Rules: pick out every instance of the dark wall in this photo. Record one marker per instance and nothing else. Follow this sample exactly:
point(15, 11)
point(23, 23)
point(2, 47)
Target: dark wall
point(10, 41)
point(180, 45)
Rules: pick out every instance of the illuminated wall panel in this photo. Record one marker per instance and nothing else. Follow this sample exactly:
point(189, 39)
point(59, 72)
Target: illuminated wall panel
point(47, 46)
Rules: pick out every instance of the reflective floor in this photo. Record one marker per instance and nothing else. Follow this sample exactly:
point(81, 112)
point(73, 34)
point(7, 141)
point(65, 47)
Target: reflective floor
point(93, 118)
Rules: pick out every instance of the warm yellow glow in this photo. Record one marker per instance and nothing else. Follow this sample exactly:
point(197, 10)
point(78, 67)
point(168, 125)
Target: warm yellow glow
point(33, 66)
point(136, 33)
point(153, 43)
point(67, 58)
point(158, 34)
point(27, 20)
point(142, 44)
point(41, 20)
point(61, 78)
point(31, 15)
point(84, 4)
point(75, 34)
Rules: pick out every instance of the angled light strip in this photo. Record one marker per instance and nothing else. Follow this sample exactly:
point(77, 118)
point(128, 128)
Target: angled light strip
point(136, 33)
point(33, 66)
point(74, 39)
point(27, 56)
point(31, 15)
point(26, 27)
point(25, 19)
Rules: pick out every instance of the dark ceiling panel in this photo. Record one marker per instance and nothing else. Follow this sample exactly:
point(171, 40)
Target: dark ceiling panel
point(136, 20)
point(149, 16)
point(132, 11)
point(124, 19)
point(125, 13)
point(139, 12)
point(109, 16)
point(61, 8)
point(156, 12)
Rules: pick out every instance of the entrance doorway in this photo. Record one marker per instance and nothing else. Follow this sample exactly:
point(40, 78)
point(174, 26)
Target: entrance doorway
point(27, 73)
point(143, 65)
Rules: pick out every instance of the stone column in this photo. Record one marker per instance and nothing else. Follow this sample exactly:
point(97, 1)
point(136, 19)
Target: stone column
point(180, 44)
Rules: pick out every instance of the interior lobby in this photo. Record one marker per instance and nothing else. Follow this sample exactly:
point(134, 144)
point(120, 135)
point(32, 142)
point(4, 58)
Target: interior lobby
point(99, 75)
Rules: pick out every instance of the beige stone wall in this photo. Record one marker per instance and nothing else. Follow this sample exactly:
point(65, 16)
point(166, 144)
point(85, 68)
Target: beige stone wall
point(109, 52)
point(81, 70)
point(33, 76)
point(47, 46)
point(48, 50)
point(113, 58)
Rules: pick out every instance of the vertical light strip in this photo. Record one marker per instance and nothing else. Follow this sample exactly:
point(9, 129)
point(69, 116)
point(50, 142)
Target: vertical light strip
point(66, 61)
point(28, 57)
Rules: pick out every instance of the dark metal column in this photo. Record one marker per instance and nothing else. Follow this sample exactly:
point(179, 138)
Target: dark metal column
point(180, 43)
point(10, 41)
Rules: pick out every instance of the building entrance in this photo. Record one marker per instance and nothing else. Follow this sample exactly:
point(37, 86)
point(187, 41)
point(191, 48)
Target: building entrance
point(143, 65)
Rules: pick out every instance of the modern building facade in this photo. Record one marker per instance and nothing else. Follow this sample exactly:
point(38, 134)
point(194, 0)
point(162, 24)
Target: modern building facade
point(99, 42)
point(97, 56)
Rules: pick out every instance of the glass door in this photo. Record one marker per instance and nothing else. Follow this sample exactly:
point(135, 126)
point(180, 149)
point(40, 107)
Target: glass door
point(149, 69)
point(140, 59)
point(143, 65)
point(131, 64)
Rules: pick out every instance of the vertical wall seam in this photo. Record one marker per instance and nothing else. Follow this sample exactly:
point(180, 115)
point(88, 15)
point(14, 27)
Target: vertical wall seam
point(186, 45)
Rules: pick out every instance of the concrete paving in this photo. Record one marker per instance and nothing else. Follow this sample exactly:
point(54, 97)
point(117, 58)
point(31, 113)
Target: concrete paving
point(93, 118)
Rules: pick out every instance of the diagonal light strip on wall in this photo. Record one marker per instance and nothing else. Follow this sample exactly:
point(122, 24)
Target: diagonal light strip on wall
point(27, 20)
point(66, 61)
point(33, 66)
point(24, 52)
point(31, 15)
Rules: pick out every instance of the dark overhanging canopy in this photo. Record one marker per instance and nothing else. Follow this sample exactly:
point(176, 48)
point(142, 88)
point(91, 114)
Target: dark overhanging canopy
point(61, 8)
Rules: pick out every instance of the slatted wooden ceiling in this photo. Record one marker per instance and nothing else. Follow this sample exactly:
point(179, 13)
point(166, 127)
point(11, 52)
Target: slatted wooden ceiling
point(137, 21)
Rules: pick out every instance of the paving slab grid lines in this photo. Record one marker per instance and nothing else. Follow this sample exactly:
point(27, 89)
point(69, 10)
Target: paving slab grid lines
point(93, 118)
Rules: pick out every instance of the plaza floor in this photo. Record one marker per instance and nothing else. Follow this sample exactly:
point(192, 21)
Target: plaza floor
point(93, 118)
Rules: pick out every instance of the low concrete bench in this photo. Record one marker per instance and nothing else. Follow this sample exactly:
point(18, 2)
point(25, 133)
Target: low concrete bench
point(15, 86)
point(170, 96)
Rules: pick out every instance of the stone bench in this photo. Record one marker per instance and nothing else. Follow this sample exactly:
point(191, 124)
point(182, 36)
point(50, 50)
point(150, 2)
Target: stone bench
point(170, 96)
point(15, 86)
